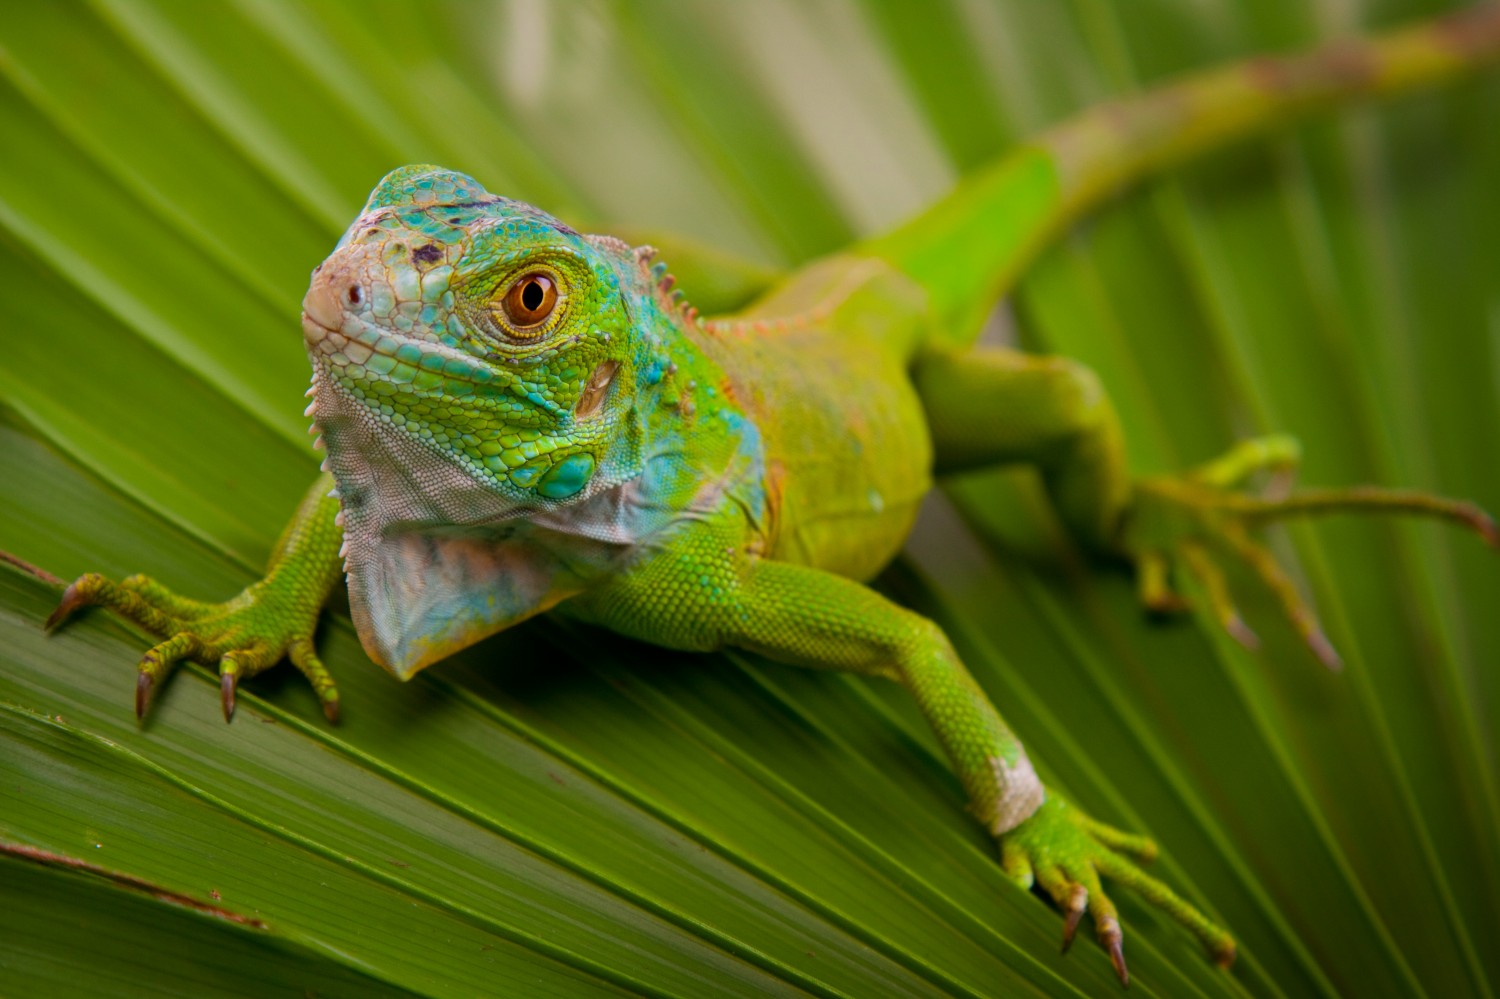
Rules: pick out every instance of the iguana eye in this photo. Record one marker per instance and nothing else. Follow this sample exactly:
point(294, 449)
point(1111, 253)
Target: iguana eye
point(528, 302)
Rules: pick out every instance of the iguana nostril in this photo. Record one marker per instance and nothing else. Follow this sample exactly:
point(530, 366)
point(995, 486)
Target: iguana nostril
point(356, 294)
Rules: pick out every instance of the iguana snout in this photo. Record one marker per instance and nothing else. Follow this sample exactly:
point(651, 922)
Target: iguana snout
point(322, 308)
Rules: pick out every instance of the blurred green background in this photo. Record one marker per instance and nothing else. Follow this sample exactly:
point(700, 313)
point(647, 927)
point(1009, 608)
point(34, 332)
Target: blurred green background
point(561, 813)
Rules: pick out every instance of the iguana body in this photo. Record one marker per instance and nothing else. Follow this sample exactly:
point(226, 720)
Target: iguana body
point(522, 419)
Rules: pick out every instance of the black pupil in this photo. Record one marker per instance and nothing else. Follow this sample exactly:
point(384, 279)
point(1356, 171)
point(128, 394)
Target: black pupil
point(532, 295)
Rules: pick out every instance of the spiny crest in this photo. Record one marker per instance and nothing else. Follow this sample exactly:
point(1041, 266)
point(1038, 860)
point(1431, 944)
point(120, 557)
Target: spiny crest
point(663, 283)
point(424, 184)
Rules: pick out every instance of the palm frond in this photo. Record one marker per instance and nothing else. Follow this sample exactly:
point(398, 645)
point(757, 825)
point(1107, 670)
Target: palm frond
point(558, 812)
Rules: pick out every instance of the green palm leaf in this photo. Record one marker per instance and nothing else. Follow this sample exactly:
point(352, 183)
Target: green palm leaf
point(559, 812)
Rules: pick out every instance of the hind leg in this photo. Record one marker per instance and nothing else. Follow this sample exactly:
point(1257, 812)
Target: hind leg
point(989, 407)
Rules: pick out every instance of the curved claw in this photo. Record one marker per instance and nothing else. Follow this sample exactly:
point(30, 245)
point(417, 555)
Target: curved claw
point(73, 599)
point(1485, 525)
point(144, 682)
point(1297, 611)
point(228, 682)
point(1112, 939)
point(1216, 588)
point(1240, 632)
point(1078, 899)
point(1324, 650)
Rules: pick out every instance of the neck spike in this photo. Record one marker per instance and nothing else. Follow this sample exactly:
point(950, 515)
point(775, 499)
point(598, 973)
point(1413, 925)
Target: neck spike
point(663, 283)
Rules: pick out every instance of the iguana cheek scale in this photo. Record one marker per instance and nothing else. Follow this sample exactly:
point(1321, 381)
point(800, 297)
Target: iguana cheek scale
point(520, 418)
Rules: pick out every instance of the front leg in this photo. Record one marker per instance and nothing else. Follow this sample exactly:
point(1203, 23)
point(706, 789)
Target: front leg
point(272, 618)
point(700, 595)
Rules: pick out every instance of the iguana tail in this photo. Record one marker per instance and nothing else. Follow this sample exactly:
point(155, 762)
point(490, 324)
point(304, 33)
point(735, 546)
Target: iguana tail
point(971, 247)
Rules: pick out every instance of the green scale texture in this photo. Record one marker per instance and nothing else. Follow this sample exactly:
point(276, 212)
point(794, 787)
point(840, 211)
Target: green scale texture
point(703, 484)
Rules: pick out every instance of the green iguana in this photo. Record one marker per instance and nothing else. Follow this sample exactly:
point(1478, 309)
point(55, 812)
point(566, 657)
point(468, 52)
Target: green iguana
point(523, 419)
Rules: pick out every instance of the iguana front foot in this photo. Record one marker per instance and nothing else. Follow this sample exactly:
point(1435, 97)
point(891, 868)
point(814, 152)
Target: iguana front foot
point(1193, 520)
point(243, 636)
point(1066, 852)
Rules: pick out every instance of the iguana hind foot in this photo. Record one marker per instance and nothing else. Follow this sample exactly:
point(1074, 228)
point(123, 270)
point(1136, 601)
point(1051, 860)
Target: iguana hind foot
point(1196, 520)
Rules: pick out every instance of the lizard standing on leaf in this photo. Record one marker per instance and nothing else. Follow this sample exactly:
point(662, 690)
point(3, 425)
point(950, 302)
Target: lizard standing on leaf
point(520, 418)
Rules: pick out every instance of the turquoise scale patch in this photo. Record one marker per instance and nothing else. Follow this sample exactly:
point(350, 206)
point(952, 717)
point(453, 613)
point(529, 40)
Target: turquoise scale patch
point(567, 477)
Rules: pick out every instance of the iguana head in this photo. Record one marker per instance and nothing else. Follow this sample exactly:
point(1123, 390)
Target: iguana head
point(478, 367)
point(481, 327)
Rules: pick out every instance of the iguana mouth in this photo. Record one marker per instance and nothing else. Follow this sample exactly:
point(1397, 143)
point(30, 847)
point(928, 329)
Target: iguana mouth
point(313, 331)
